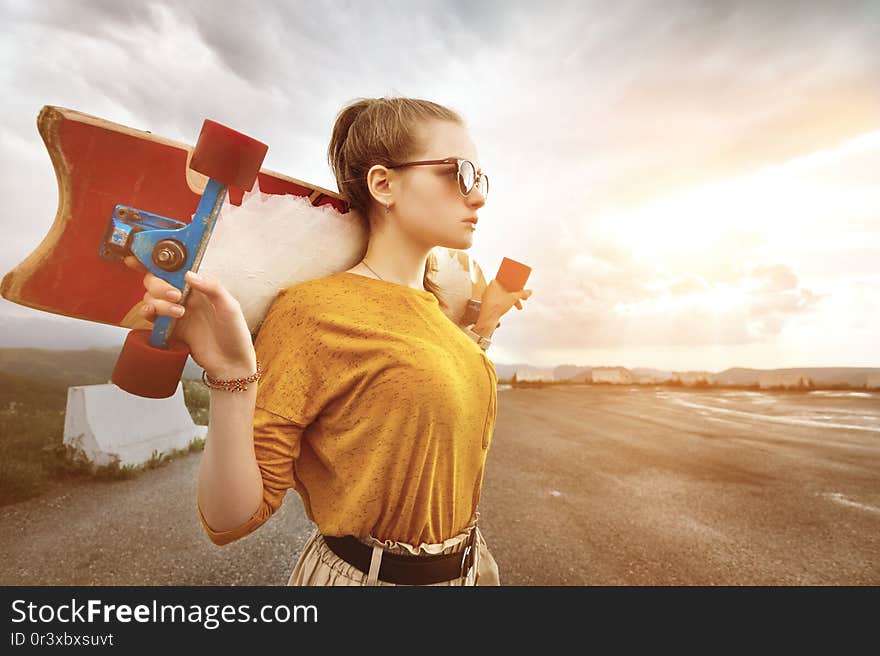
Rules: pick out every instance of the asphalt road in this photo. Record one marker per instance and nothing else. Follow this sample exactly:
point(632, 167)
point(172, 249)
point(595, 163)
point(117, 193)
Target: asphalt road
point(584, 486)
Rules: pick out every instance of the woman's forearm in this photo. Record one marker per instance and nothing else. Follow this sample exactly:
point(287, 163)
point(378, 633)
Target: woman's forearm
point(230, 488)
point(486, 324)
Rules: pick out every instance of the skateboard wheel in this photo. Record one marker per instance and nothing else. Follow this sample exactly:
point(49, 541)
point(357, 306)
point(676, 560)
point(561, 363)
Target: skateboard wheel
point(147, 371)
point(512, 275)
point(230, 157)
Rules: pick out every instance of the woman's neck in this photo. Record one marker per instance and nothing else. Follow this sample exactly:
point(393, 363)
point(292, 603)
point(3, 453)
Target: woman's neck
point(393, 258)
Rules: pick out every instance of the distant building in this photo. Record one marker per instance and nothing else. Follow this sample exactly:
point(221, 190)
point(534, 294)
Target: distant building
point(651, 376)
point(692, 377)
point(613, 375)
point(572, 373)
point(769, 379)
point(534, 375)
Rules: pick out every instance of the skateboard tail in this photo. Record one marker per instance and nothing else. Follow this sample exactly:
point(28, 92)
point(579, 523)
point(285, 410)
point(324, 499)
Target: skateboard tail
point(96, 167)
point(11, 286)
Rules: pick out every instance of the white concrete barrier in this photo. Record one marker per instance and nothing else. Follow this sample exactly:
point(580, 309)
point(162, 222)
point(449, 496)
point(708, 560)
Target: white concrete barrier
point(109, 425)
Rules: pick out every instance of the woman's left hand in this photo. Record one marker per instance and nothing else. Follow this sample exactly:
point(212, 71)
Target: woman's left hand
point(497, 301)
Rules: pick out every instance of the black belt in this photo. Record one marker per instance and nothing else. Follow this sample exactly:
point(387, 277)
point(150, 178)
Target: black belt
point(403, 569)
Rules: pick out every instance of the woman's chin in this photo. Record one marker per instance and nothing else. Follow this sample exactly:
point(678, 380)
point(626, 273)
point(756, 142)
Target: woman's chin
point(459, 243)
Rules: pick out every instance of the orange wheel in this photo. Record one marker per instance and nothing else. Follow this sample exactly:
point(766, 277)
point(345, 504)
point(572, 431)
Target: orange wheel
point(147, 371)
point(230, 157)
point(512, 275)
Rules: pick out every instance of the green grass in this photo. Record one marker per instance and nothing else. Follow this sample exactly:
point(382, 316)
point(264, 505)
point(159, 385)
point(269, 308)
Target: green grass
point(32, 432)
point(198, 401)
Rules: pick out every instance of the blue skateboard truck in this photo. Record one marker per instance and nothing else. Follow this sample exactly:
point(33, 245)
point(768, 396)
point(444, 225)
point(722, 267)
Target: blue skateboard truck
point(151, 362)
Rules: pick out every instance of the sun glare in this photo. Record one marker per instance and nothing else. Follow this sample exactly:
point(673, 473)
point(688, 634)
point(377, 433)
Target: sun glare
point(773, 204)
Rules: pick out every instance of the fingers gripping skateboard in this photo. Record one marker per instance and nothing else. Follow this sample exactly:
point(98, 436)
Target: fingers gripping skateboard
point(151, 363)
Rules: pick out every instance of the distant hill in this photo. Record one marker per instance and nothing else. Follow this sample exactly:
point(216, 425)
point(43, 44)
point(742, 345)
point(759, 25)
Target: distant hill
point(69, 367)
point(17, 389)
point(737, 376)
point(506, 371)
point(94, 366)
point(80, 367)
point(852, 376)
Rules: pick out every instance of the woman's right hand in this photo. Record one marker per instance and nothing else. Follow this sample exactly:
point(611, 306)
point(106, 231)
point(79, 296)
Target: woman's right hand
point(212, 324)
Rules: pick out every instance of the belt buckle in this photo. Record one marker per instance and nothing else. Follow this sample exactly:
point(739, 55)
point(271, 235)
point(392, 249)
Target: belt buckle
point(464, 559)
point(472, 539)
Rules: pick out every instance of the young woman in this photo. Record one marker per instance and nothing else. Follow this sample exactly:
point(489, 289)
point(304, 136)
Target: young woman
point(370, 403)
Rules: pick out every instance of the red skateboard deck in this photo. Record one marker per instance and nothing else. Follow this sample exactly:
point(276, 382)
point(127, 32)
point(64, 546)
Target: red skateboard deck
point(99, 164)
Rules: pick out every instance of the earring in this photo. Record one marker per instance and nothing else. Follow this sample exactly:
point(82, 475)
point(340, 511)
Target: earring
point(388, 208)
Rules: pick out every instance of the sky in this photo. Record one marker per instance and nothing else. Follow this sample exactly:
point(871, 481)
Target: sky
point(694, 184)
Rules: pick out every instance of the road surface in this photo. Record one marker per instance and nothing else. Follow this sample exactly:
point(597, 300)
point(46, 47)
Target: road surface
point(585, 485)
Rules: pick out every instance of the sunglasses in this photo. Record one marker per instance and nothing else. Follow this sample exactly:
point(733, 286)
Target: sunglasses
point(466, 173)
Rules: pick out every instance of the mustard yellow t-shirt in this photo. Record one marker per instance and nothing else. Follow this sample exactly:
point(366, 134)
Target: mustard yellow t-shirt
point(375, 407)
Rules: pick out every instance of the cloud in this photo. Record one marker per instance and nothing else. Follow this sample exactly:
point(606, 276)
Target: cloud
point(584, 114)
point(675, 315)
point(655, 98)
point(775, 298)
point(774, 278)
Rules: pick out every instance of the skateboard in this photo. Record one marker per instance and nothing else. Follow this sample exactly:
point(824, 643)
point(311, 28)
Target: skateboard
point(123, 191)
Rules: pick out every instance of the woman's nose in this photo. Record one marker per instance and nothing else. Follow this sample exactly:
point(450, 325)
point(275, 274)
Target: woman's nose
point(475, 199)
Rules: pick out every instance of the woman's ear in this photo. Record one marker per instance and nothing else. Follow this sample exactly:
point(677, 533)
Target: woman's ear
point(379, 184)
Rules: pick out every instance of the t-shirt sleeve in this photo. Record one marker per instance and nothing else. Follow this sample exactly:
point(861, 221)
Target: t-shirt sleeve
point(276, 446)
point(289, 398)
point(293, 359)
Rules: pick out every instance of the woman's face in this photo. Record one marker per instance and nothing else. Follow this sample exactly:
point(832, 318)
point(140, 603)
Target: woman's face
point(427, 200)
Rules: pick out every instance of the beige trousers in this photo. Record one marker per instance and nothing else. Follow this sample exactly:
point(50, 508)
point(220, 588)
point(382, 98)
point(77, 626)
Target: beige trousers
point(318, 565)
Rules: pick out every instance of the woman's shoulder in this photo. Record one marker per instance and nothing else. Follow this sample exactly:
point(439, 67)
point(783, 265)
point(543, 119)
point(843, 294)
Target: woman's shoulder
point(296, 311)
point(314, 294)
point(317, 286)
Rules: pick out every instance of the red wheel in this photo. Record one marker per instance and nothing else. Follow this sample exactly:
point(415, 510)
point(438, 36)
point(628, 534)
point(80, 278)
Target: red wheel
point(230, 157)
point(147, 371)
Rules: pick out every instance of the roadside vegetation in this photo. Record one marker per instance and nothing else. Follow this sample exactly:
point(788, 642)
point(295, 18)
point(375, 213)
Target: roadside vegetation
point(32, 437)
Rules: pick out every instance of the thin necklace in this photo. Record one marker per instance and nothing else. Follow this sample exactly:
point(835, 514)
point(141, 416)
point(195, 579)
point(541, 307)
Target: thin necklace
point(364, 262)
point(371, 269)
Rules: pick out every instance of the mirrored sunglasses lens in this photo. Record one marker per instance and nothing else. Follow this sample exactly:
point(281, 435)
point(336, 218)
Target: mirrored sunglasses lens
point(483, 184)
point(466, 177)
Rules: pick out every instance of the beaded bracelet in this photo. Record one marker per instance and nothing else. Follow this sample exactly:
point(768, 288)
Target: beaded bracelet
point(234, 384)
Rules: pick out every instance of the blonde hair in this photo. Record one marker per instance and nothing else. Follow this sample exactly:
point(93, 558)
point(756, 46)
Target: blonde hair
point(372, 131)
